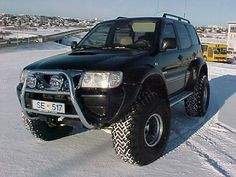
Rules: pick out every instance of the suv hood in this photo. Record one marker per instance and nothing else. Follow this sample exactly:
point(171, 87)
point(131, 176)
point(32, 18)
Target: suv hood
point(89, 60)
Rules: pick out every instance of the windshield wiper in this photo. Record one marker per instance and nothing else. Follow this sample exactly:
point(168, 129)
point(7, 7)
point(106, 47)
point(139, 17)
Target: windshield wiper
point(84, 47)
point(116, 47)
point(135, 47)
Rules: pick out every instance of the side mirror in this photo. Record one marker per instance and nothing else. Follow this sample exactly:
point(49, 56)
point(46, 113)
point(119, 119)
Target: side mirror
point(168, 43)
point(73, 45)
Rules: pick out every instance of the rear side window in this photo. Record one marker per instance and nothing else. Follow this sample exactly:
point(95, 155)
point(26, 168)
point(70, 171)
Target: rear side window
point(193, 34)
point(185, 41)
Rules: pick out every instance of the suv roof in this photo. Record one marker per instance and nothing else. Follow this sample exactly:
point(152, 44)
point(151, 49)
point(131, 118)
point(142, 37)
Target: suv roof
point(165, 17)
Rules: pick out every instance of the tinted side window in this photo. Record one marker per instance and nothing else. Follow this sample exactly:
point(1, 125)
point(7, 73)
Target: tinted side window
point(168, 31)
point(193, 34)
point(185, 41)
point(122, 31)
point(98, 36)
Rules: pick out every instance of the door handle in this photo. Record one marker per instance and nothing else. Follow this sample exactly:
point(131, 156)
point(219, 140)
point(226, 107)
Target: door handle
point(180, 57)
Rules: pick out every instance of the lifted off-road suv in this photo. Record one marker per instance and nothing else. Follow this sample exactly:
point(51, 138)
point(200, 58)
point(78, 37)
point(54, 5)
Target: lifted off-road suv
point(125, 74)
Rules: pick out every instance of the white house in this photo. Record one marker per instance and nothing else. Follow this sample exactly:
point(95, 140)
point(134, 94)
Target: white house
point(231, 41)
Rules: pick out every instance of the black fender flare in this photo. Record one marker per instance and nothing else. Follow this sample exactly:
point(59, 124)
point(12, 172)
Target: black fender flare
point(197, 67)
point(141, 75)
point(133, 85)
point(199, 64)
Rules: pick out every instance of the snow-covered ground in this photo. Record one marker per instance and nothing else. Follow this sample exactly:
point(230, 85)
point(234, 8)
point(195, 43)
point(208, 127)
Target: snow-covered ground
point(214, 38)
point(197, 146)
point(39, 31)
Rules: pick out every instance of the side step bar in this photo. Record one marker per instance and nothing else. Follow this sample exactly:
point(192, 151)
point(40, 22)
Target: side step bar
point(176, 99)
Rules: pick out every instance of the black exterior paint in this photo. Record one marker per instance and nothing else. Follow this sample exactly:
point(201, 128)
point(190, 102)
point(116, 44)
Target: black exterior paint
point(105, 106)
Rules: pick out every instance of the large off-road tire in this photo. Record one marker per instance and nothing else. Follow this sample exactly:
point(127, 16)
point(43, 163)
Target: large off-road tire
point(141, 138)
point(42, 130)
point(197, 103)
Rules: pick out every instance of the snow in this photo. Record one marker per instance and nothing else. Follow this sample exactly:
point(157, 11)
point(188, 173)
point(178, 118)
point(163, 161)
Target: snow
point(215, 38)
point(39, 31)
point(20, 35)
point(197, 146)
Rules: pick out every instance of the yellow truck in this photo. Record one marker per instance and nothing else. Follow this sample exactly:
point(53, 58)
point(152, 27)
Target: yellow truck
point(215, 52)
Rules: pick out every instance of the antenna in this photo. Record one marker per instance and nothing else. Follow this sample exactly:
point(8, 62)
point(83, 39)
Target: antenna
point(158, 4)
point(159, 11)
point(185, 8)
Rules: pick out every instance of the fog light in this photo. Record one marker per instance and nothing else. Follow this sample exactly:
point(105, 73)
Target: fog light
point(31, 81)
point(56, 82)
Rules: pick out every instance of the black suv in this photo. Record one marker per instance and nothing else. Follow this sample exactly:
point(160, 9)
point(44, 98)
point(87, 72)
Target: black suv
point(125, 74)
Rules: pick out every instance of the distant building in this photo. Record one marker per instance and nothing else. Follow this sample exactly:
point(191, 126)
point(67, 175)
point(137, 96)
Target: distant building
point(231, 41)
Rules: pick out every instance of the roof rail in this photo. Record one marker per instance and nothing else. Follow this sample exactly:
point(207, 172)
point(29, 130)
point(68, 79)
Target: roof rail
point(120, 17)
point(165, 15)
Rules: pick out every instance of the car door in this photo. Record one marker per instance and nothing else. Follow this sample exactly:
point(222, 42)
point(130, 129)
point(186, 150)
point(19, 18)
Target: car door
point(187, 51)
point(170, 61)
point(195, 50)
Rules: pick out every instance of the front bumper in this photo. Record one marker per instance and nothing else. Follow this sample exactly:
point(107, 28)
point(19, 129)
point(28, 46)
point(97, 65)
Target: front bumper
point(71, 92)
point(93, 107)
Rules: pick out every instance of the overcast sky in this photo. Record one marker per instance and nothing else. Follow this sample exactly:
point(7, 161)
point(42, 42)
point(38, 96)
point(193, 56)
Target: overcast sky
point(200, 12)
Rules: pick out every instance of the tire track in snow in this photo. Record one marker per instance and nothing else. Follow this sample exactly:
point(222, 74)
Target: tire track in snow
point(229, 129)
point(214, 164)
point(216, 147)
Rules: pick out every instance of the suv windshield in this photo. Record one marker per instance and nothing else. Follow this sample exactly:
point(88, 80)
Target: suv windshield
point(121, 35)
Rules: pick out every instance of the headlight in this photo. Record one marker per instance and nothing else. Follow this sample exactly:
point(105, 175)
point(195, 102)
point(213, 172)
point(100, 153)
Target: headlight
point(23, 75)
point(102, 79)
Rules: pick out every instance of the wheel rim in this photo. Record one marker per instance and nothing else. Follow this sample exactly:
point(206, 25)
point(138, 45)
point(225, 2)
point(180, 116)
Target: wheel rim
point(153, 130)
point(205, 96)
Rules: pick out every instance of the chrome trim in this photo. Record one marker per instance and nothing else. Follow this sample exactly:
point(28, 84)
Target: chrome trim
point(47, 92)
point(181, 99)
point(50, 113)
point(71, 93)
point(155, 137)
point(93, 96)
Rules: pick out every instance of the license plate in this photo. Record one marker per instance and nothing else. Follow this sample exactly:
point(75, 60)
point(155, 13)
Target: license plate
point(46, 106)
